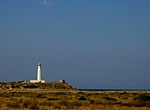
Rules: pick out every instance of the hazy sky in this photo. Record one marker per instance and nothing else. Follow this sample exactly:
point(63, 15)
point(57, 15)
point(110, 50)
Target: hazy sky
point(89, 43)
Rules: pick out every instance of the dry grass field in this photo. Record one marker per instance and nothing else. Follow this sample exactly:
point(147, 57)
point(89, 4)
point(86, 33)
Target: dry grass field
point(34, 99)
point(55, 96)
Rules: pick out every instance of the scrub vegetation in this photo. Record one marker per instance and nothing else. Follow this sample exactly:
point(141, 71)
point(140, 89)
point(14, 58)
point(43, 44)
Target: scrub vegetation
point(65, 99)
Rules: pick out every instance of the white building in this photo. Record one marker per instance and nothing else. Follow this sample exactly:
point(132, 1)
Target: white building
point(39, 75)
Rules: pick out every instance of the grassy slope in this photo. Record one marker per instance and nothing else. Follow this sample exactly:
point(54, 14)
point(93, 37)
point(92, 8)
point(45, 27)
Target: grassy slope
point(32, 86)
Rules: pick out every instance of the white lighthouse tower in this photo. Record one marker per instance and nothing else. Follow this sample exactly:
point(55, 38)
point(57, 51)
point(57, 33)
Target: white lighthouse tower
point(39, 75)
point(39, 72)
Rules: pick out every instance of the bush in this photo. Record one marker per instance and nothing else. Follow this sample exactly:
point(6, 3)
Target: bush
point(109, 100)
point(52, 98)
point(64, 103)
point(40, 96)
point(34, 105)
point(75, 104)
point(46, 103)
point(69, 104)
point(13, 105)
point(30, 86)
point(141, 100)
point(82, 98)
point(92, 101)
point(60, 93)
point(26, 103)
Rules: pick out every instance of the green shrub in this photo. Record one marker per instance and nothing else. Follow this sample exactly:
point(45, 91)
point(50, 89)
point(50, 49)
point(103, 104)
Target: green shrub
point(82, 98)
point(109, 100)
point(141, 100)
point(40, 96)
point(60, 93)
point(92, 101)
point(33, 86)
point(52, 98)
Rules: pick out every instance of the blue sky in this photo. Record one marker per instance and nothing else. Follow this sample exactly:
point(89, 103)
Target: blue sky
point(90, 43)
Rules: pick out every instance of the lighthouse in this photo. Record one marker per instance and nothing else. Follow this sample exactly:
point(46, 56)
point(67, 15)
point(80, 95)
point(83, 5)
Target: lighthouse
point(39, 75)
point(39, 72)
